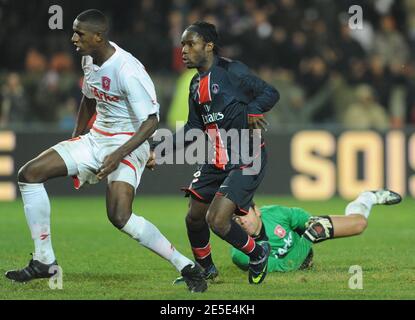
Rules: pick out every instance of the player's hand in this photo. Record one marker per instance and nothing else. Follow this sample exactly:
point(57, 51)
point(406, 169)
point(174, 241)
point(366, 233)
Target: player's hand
point(151, 162)
point(257, 122)
point(111, 162)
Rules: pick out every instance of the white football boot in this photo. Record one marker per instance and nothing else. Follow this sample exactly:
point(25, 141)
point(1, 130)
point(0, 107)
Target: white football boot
point(387, 197)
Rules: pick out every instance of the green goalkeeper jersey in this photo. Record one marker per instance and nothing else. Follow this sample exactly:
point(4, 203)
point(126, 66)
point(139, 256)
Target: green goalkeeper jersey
point(283, 227)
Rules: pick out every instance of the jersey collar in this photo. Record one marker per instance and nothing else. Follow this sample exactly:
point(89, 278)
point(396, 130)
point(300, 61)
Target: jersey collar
point(215, 62)
point(108, 61)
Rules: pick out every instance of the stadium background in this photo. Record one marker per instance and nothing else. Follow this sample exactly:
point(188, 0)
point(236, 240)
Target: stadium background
point(330, 77)
point(345, 122)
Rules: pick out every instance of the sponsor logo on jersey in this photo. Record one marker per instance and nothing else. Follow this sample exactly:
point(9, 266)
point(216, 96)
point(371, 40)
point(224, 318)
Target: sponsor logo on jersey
point(212, 117)
point(106, 83)
point(104, 96)
point(280, 231)
point(288, 242)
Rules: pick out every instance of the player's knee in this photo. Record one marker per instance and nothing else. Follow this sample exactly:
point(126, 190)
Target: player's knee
point(118, 216)
point(118, 221)
point(193, 222)
point(29, 174)
point(190, 222)
point(211, 219)
point(218, 225)
point(219, 229)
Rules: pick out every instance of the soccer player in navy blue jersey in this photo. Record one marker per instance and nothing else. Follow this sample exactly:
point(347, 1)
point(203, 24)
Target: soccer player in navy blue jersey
point(224, 95)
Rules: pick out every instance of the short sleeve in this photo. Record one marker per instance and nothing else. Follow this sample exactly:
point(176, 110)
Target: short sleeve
point(298, 218)
point(140, 93)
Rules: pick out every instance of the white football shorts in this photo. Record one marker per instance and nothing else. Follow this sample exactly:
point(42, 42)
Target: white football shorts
point(84, 155)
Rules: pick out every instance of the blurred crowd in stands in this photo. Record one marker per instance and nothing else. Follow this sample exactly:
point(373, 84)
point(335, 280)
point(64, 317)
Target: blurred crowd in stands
point(327, 73)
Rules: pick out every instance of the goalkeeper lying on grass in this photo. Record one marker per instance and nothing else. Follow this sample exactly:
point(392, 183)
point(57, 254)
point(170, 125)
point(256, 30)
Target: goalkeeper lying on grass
point(292, 232)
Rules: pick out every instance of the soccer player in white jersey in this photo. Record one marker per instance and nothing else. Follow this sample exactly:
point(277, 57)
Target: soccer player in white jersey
point(116, 87)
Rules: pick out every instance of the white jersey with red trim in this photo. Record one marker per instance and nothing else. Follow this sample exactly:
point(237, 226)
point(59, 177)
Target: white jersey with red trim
point(123, 90)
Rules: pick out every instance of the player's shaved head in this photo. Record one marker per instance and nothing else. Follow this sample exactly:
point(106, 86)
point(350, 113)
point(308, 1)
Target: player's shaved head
point(91, 34)
point(94, 20)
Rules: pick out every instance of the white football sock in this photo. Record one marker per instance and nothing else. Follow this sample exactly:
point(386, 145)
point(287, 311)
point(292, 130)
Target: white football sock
point(37, 211)
point(362, 205)
point(150, 237)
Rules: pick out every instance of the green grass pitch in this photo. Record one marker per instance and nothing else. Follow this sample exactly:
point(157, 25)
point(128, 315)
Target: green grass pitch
point(100, 262)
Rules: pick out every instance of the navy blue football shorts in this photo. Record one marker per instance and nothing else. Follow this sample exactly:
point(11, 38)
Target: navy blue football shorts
point(233, 184)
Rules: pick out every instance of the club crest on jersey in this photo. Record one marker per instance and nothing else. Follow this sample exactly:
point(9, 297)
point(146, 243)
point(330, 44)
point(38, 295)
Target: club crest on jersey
point(280, 231)
point(215, 88)
point(106, 82)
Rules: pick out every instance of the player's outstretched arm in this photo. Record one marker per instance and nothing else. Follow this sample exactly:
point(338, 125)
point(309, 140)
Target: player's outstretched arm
point(347, 226)
point(321, 228)
point(85, 113)
point(354, 222)
point(329, 227)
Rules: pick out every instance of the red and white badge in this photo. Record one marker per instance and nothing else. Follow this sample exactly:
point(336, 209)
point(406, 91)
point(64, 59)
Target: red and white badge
point(106, 82)
point(280, 231)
